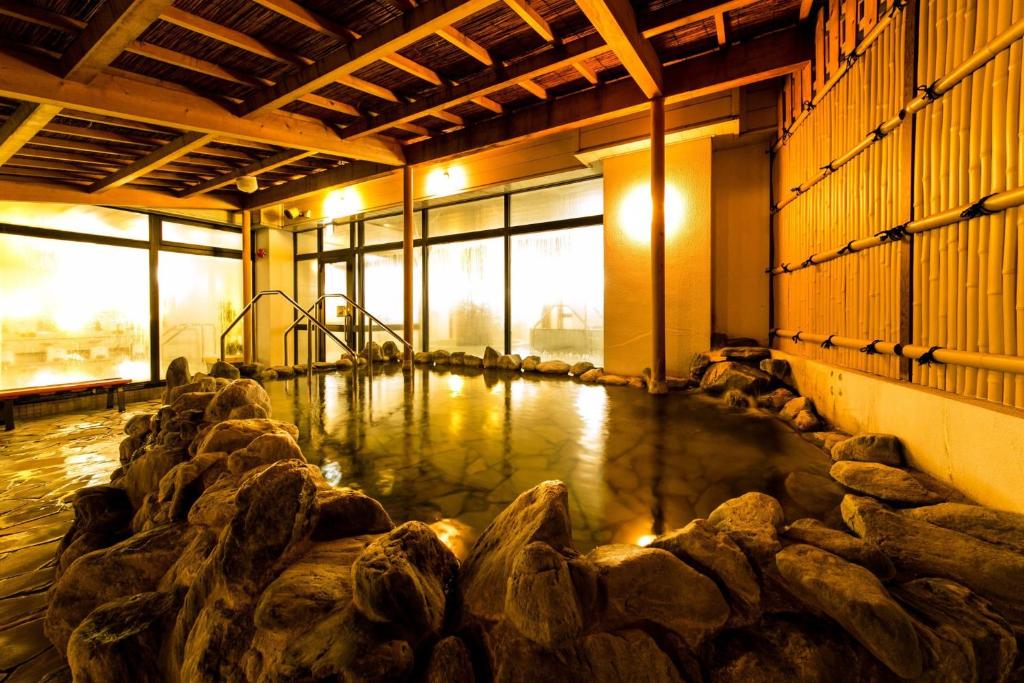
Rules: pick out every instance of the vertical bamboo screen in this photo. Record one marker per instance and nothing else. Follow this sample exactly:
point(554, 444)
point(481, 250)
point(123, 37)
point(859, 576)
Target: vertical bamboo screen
point(967, 288)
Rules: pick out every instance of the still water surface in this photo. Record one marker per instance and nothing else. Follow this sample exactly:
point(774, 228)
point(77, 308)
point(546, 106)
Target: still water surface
point(462, 445)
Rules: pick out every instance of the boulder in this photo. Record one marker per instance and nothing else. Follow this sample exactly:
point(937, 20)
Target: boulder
point(401, 579)
point(287, 371)
point(457, 358)
point(241, 392)
point(699, 363)
point(817, 494)
point(450, 662)
point(541, 601)
point(230, 435)
point(224, 369)
point(752, 355)
point(752, 521)
point(998, 527)
point(736, 399)
point(249, 370)
point(347, 512)
point(346, 363)
point(881, 448)
point(842, 544)
point(248, 412)
point(715, 555)
point(612, 380)
point(650, 584)
point(539, 514)
point(440, 357)
point(263, 450)
point(147, 469)
point(389, 350)
point(491, 357)
point(776, 399)
point(192, 400)
point(510, 362)
point(807, 421)
point(205, 384)
point(423, 358)
point(795, 406)
point(101, 508)
point(471, 361)
point(924, 549)
point(778, 368)
point(177, 374)
point(580, 367)
point(591, 376)
point(886, 483)
point(553, 367)
point(530, 363)
point(372, 351)
point(856, 599)
point(630, 655)
point(721, 377)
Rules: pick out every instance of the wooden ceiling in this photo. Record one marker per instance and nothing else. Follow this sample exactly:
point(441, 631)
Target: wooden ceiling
point(181, 97)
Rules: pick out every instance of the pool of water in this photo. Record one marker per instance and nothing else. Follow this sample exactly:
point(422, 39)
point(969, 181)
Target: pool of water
point(462, 445)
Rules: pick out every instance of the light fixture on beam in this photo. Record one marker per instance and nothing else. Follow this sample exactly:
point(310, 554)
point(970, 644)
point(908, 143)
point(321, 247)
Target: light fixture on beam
point(247, 184)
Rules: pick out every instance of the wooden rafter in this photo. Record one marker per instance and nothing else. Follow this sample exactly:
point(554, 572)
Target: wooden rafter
point(533, 88)
point(466, 44)
point(308, 18)
point(720, 33)
point(805, 8)
point(331, 104)
point(175, 149)
point(256, 168)
point(350, 58)
point(446, 115)
point(366, 86)
point(488, 103)
point(99, 134)
point(531, 17)
point(40, 17)
point(194, 64)
point(586, 72)
point(21, 126)
point(616, 22)
point(114, 26)
point(410, 67)
point(228, 36)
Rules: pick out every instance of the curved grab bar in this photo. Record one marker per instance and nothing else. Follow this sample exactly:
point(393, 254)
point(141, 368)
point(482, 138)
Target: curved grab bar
point(295, 305)
point(372, 317)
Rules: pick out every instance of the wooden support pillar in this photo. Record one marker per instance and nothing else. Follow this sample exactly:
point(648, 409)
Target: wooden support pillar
point(247, 332)
point(905, 248)
point(656, 384)
point(407, 261)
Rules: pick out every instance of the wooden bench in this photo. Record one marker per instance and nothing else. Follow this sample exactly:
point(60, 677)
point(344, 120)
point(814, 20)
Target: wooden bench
point(113, 386)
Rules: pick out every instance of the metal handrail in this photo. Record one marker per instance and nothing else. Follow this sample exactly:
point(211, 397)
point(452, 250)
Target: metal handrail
point(295, 305)
point(355, 305)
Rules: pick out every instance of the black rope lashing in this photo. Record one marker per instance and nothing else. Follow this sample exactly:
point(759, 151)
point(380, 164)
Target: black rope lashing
point(796, 337)
point(808, 105)
point(929, 91)
point(872, 348)
point(878, 134)
point(848, 249)
point(893, 234)
point(797, 191)
point(828, 168)
point(827, 344)
point(897, 350)
point(808, 262)
point(785, 268)
point(897, 6)
point(928, 357)
point(851, 59)
point(977, 209)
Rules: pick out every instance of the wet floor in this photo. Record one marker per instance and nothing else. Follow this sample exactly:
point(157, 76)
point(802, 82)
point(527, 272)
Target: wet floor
point(430, 446)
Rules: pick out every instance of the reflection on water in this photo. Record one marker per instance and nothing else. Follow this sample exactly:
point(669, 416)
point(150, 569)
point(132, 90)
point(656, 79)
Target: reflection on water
point(461, 446)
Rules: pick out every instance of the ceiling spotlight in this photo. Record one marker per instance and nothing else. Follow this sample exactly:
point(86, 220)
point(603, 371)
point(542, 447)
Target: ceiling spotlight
point(247, 184)
point(292, 213)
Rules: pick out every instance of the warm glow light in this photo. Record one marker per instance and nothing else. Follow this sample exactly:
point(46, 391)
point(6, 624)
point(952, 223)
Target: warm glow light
point(455, 384)
point(645, 540)
point(635, 211)
point(445, 180)
point(458, 536)
point(342, 202)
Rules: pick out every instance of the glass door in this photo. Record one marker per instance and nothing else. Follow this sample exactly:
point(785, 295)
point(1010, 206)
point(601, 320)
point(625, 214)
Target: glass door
point(337, 278)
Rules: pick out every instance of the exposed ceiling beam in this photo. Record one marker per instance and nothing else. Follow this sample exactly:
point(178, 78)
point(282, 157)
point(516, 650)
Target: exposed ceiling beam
point(531, 17)
point(195, 64)
point(446, 115)
point(805, 8)
point(328, 103)
point(466, 44)
point(616, 22)
point(669, 18)
point(100, 134)
point(43, 140)
point(386, 40)
point(586, 72)
point(229, 36)
point(114, 26)
point(488, 103)
point(127, 98)
point(308, 18)
point(534, 88)
point(410, 67)
point(179, 147)
point(284, 158)
point(21, 126)
point(40, 17)
point(720, 29)
point(333, 177)
point(19, 190)
point(366, 86)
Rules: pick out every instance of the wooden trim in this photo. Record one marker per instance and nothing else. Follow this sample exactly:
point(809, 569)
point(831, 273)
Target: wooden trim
point(616, 22)
point(114, 26)
point(488, 103)
point(284, 158)
point(532, 18)
point(178, 147)
point(21, 126)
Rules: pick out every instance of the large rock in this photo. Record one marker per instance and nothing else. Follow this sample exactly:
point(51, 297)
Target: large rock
point(423, 358)
point(776, 399)
point(752, 521)
point(231, 435)
point(540, 514)
point(224, 369)
point(721, 377)
point(699, 363)
point(842, 544)
point(450, 662)
point(714, 554)
point(796, 406)
point(441, 357)
point(580, 367)
point(924, 549)
point(881, 448)
point(650, 584)
point(807, 421)
point(457, 358)
point(591, 376)
point(541, 600)
point(510, 362)
point(778, 368)
point(203, 384)
point(389, 350)
point(817, 494)
point(752, 355)
point(347, 512)
point(855, 598)
point(264, 450)
point(401, 579)
point(553, 367)
point(995, 526)
point(147, 469)
point(241, 392)
point(471, 361)
point(177, 374)
point(530, 363)
point(890, 484)
point(101, 508)
point(191, 400)
point(491, 357)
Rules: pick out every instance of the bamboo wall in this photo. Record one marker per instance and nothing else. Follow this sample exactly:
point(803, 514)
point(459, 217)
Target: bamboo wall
point(956, 287)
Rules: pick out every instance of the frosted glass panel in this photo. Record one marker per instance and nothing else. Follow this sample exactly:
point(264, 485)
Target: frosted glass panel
point(383, 292)
point(336, 236)
point(72, 312)
point(390, 228)
point(206, 237)
point(335, 282)
point(199, 297)
point(485, 214)
point(575, 200)
point(305, 242)
point(559, 315)
point(91, 220)
point(306, 272)
point(467, 295)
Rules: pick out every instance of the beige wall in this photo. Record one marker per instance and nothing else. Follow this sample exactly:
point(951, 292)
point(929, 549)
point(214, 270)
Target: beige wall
point(627, 337)
point(972, 444)
point(273, 271)
point(740, 240)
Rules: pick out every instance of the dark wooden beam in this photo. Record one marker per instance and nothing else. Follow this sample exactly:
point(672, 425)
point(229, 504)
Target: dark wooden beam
point(40, 17)
point(21, 126)
point(114, 26)
point(532, 18)
point(356, 171)
point(175, 149)
point(616, 21)
point(228, 36)
point(284, 158)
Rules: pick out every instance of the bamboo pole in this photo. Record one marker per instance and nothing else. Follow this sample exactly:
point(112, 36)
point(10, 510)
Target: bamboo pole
point(1017, 226)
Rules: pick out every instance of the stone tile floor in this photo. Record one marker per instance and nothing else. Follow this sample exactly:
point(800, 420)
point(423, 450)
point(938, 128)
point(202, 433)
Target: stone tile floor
point(438, 445)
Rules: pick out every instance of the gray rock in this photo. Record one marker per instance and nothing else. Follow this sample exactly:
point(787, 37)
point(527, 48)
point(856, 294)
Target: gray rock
point(699, 363)
point(591, 376)
point(752, 521)
point(795, 406)
point(752, 355)
point(715, 555)
point(924, 549)
point(721, 377)
point(852, 596)
point(510, 362)
point(651, 584)
point(491, 357)
point(890, 484)
point(816, 494)
point(177, 374)
point(580, 367)
point(471, 361)
point(881, 448)
point(553, 367)
point(994, 526)
point(842, 544)
point(541, 600)
point(806, 421)
point(224, 369)
point(778, 368)
point(530, 363)
point(401, 578)
point(776, 400)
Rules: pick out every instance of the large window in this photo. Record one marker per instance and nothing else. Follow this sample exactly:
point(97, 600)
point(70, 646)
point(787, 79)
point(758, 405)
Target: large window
point(199, 297)
point(559, 315)
point(72, 312)
point(77, 218)
point(467, 295)
point(384, 289)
